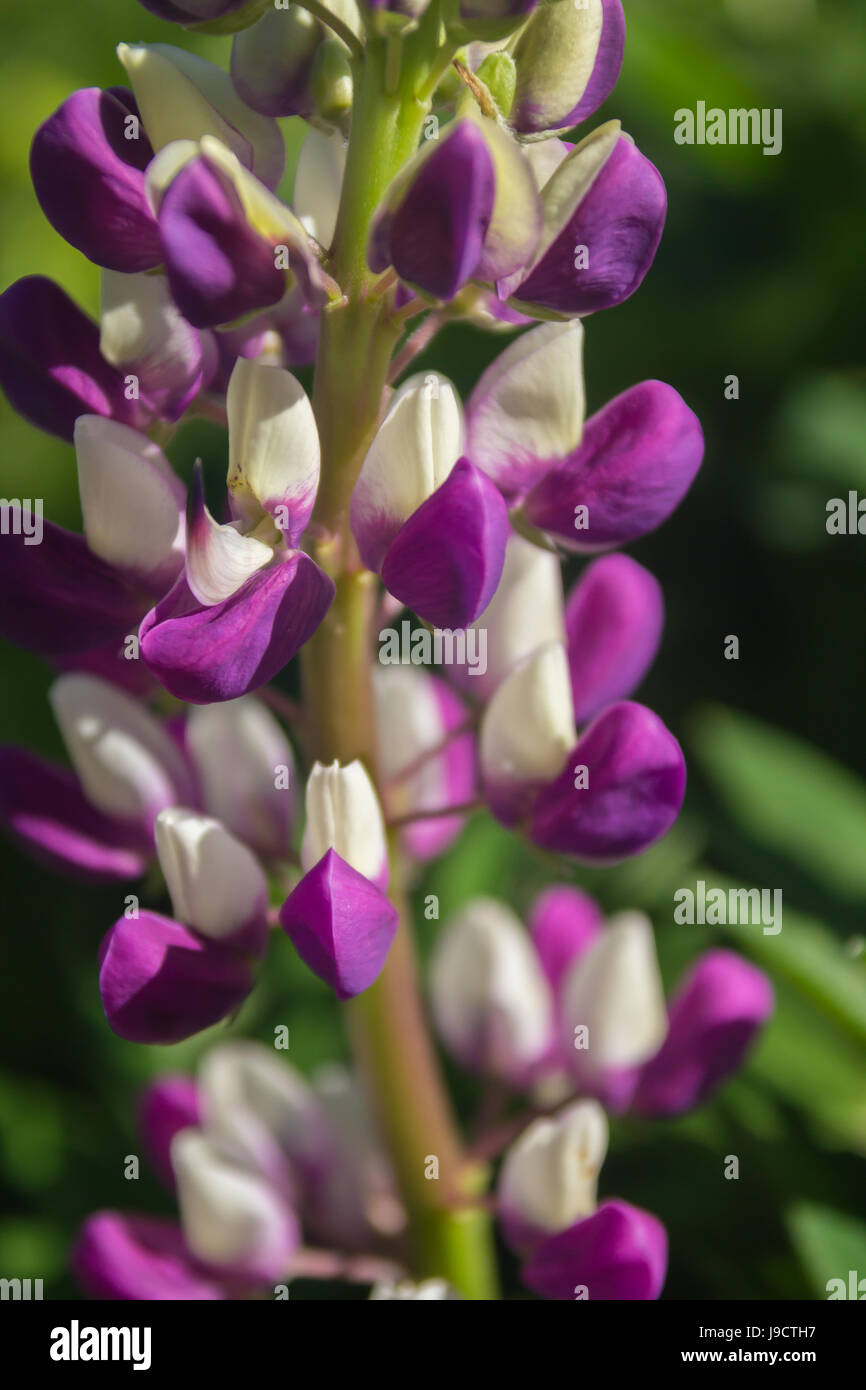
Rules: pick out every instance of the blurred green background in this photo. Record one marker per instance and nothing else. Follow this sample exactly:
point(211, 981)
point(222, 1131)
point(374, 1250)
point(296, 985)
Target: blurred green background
point(760, 274)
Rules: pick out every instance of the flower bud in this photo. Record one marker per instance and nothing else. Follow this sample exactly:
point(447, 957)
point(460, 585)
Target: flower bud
point(272, 62)
point(209, 16)
point(499, 76)
point(568, 60)
point(232, 1219)
point(527, 732)
point(343, 813)
point(331, 81)
point(215, 883)
point(549, 1175)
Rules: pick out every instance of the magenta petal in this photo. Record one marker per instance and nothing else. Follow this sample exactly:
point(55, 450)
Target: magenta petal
point(563, 923)
point(167, 1106)
point(89, 179)
point(58, 599)
point(138, 1258)
point(43, 807)
point(620, 221)
point(341, 924)
point(435, 236)
point(714, 1016)
point(620, 1252)
point(51, 368)
point(636, 462)
point(613, 623)
point(218, 266)
point(446, 560)
point(207, 654)
point(636, 784)
point(160, 982)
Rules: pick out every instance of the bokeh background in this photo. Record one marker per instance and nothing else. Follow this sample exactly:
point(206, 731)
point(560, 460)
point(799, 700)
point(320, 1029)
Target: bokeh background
point(760, 274)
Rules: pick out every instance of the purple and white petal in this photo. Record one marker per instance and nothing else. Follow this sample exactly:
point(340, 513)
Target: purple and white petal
point(433, 220)
point(184, 97)
point(160, 982)
point(219, 558)
point(636, 461)
point(139, 1259)
point(204, 654)
point(130, 766)
point(87, 163)
point(246, 769)
point(612, 1010)
point(527, 733)
point(619, 792)
point(45, 811)
point(413, 452)
point(491, 1002)
point(613, 619)
point(233, 1219)
point(341, 925)
point(216, 884)
point(527, 409)
point(168, 1105)
point(568, 59)
point(549, 1175)
point(319, 182)
point(563, 923)
point(714, 1017)
point(446, 560)
point(620, 1253)
point(605, 209)
point(343, 813)
point(58, 598)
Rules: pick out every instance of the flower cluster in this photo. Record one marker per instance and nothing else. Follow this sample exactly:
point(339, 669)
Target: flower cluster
point(170, 622)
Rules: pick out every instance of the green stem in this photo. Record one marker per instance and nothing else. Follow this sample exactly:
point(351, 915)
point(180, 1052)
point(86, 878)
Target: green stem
point(449, 1237)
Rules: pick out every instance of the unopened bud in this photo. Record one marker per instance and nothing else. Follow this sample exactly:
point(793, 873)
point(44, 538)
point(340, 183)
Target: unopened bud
point(331, 81)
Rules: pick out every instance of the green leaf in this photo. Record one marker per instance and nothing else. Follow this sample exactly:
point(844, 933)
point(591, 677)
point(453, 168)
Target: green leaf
point(829, 1243)
point(788, 795)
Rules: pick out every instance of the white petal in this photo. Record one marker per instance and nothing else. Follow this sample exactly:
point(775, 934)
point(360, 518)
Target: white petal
point(490, 997)
point(318, 183)
point(244, 1078)
point(220, 559)
point(273, 446)
point(128, 764)
point(131, 500)
point(615, 990)
point(414, 451)
point(429, 1290)
point(229, 1215)
point(525, 613)
point(184, 97)
point(343, 813)
point(215, 882)
point(240, 753)
point(528, 728)
point(409, 722)
point(528, 407)
point(549, 1176)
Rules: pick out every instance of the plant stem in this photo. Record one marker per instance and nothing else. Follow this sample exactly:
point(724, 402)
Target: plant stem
point(449, 1238)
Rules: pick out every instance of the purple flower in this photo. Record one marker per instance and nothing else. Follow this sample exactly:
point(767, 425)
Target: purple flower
point(428, 520)
point(87, 163)
point(605, 209)
point(568, 60)
point(272, 62)
point(248, 599)
point(613, 619)
point(51, 365)
point(466, 207)
point(601, 798)
point(590, 486)
point(620, 1252)
point(714, 1016)
point(162, 979)
point(168, 1105)
point(338, 917)
point(192, 13)
point(549, 1175)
